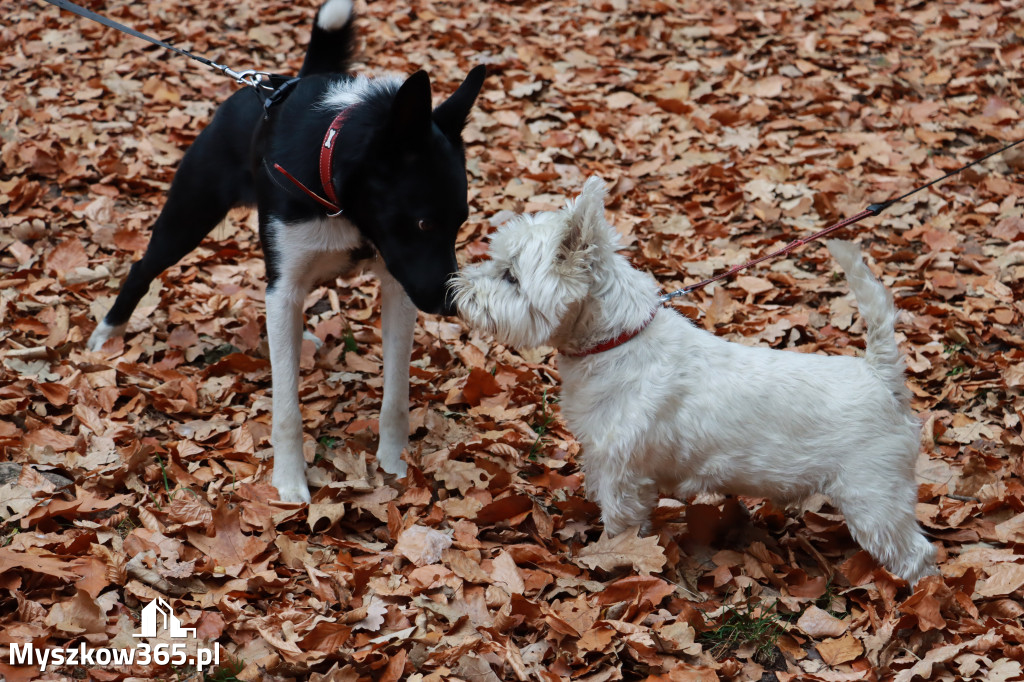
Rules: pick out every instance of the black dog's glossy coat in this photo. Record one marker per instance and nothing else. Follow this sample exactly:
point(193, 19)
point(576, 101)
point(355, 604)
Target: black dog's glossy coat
point(400, 178)
point(399, 175)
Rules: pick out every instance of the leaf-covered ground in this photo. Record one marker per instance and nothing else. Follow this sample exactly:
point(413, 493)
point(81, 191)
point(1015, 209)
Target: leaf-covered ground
point(726, 129)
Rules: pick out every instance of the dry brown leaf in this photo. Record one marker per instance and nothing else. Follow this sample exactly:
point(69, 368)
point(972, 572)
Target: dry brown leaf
point(840, 650)
point(80, 615)
point(625, 549)
point(190, 511)
point(422, 545)
point(37, 561)
point(679, 638)
point(331, 511)
point(817, 623)
point(1002, 579)
point(505, 574)
point(228, 546)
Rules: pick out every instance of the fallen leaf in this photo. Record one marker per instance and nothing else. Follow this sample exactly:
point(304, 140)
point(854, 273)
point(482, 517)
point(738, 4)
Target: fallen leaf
point(840, 650)
point(422, 545)
point(815, 622)
point(228, 545)
point(625, 549)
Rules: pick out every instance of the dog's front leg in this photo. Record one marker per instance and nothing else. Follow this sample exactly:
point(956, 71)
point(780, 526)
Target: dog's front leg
point(284, 333)
point(628, 506)
point(398, 320)
point(625, 495)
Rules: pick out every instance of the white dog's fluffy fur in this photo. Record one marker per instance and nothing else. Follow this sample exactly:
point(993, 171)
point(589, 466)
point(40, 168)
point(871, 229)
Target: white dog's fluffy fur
point(679, 410)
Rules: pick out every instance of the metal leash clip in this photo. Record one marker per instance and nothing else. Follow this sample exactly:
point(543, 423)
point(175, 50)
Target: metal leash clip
point(248, 77)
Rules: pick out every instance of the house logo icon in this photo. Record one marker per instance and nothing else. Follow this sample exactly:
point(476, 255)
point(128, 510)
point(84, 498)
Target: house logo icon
point(160, 609)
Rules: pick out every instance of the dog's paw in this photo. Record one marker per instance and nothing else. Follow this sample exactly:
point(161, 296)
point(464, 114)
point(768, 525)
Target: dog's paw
point(392, 463)
point(297, 493)
point(312, 338)
point(389, 452)
point(616, 525)
point(399, 469)
point(102, 334)
point(291, 488)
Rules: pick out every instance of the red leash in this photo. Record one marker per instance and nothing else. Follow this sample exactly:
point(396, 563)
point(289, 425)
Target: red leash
point(872, 210)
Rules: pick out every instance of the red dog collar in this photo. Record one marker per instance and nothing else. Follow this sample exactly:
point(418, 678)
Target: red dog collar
point(612, 343)
point(326, 168)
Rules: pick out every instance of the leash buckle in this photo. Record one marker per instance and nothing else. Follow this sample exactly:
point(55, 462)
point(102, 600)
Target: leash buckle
point(256, 79)
point(249, 77)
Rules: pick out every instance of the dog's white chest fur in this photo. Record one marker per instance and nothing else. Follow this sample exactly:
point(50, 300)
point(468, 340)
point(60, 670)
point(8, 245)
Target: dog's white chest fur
point(314, 250)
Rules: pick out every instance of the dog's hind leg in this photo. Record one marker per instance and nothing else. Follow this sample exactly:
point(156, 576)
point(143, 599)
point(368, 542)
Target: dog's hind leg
point(883, 522)
point(397, 324)
point(213, 178)
point(191, 212)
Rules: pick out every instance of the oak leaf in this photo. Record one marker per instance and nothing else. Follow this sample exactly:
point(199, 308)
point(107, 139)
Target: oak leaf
point(422, 545)
point(376, 610)
point(816, 622)
point(644, 555)
point(189, 510)
point(840, 650)
point(228, 545)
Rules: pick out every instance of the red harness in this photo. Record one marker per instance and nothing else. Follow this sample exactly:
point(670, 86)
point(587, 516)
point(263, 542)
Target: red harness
point(326, 168)
point(612, 343)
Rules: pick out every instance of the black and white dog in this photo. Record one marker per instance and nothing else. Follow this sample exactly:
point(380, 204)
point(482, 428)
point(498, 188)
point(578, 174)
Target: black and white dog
point(391, 173)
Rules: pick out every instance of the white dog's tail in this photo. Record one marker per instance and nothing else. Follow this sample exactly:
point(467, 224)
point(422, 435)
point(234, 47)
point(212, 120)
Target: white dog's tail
point(879, 313)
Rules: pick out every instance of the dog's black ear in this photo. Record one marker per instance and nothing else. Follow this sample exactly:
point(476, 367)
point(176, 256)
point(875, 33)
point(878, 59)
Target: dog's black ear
point(410, 110)
point(452, 114)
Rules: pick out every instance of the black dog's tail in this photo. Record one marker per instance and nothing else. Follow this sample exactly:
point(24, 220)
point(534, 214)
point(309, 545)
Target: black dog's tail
point(332, 44)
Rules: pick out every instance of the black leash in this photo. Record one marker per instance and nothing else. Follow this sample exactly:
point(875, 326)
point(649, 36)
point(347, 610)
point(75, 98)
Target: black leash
point(872, 210)
point(886, 204)
point(260, 80)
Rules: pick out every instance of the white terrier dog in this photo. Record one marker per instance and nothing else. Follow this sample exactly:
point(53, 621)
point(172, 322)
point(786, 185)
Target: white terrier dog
point(660, 405)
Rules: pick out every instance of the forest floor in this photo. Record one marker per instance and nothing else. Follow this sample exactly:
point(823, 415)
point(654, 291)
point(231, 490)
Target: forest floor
point(724, 130)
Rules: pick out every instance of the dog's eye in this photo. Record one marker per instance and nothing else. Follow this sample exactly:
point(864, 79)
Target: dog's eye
point(510, 278)
point(425, 225)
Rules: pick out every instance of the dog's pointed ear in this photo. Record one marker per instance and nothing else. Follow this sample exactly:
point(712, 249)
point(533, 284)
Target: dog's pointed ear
point(452, 114)
point(410, 110)
point(586, 223)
